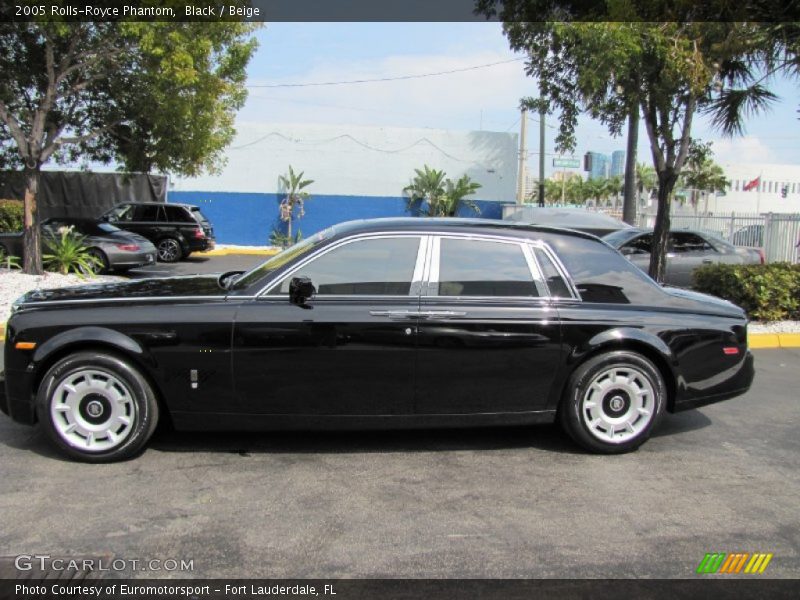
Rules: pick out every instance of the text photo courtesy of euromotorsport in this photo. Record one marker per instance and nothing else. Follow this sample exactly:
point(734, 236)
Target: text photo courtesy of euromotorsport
point(186, 591)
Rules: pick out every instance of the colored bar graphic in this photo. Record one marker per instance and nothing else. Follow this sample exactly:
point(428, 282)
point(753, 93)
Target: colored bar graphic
point(720, 562)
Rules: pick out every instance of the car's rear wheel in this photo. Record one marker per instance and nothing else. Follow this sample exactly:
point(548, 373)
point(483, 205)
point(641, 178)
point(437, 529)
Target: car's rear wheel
point(100, 265)
point(169, 250)
point(96, 407)
point(613, 401)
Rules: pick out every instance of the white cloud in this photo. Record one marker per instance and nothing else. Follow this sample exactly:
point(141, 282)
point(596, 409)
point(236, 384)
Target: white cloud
point(748, 149)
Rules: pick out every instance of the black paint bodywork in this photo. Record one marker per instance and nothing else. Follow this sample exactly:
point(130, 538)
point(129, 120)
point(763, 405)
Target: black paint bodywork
point(264, 362)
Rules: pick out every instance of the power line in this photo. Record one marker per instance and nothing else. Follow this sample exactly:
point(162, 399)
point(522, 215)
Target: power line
point(382, 79)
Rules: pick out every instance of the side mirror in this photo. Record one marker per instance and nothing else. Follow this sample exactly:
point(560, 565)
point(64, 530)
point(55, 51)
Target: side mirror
point(300, 291)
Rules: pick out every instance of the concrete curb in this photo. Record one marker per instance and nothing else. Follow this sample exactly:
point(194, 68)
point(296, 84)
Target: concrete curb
point(231, 251)
point(755, 341)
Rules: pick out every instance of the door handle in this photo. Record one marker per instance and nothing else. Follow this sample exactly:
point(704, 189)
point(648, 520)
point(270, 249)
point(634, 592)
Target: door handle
point(441, 314)
point(394, 314)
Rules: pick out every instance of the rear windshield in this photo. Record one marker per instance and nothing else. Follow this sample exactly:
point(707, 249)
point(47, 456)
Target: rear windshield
point(617, 238)
point(81, 227)
point(199, 215)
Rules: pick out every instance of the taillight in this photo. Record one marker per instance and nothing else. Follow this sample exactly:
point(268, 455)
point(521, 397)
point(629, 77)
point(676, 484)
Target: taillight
point(730, 350)
point(199, 234)
point(129, 247)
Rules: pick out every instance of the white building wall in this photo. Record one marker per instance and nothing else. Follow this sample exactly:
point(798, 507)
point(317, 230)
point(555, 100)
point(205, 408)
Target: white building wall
point(361, 161)
point(767, 198)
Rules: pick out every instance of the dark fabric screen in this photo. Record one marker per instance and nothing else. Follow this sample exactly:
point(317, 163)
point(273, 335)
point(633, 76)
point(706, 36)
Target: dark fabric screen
point(84, 194)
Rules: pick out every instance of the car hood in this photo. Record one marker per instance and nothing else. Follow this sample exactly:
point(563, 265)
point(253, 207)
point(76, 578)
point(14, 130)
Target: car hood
point(167, 288)
point(705, 302)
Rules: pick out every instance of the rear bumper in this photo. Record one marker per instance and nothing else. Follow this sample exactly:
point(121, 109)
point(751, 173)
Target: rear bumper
point(128, 260)
point(735, 386)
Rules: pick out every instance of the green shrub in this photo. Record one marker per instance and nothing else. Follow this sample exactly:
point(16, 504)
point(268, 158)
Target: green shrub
point(67, 253)
point(767, 292)
point(11, 216)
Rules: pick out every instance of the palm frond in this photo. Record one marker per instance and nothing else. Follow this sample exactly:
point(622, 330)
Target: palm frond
point(730, 110)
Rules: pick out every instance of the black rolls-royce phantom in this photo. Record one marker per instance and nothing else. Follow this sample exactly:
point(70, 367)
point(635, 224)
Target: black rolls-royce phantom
point(385, 323)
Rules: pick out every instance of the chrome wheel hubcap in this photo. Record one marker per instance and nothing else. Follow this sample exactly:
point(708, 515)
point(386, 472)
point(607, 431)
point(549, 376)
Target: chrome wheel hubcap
point(168, 250)
point(619, 404)
point(92, 410)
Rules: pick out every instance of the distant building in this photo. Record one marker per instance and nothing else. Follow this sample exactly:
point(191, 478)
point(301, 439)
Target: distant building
point(600, 166)
point(617, 164)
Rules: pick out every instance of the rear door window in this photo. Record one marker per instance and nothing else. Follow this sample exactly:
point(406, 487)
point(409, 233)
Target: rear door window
point(148, 212)
point(469, 267)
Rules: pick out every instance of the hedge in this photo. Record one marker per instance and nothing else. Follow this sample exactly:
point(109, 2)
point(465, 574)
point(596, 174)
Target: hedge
point(11, 216)
point(767, 292)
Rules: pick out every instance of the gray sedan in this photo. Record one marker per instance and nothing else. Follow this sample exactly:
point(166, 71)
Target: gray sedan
point(114, 249)
point(687, 250)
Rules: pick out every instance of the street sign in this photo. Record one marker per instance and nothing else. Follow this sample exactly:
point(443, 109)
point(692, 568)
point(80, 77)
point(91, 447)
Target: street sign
point(567, 163)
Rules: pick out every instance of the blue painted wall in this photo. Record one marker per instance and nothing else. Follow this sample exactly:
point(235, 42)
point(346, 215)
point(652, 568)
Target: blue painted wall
point(249, 219)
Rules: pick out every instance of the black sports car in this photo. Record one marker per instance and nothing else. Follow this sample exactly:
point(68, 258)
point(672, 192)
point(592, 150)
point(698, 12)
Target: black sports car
point(376, 324)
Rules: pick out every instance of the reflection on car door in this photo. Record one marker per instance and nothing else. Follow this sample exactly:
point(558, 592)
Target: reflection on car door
point(352, 351)
point(687, 252)
point(489, 340)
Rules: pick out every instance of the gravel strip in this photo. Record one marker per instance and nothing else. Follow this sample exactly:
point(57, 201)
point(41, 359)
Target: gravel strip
point(13, 284)
point(775, 327)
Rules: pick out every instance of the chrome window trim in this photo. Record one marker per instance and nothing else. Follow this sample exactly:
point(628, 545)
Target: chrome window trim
point(343, 242)
point(573, 290)
point(533, 267)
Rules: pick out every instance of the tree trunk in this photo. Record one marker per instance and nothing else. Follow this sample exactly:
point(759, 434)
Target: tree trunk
point(658, 255)
point(289, 231)
point(31, 243)
point(629, 201)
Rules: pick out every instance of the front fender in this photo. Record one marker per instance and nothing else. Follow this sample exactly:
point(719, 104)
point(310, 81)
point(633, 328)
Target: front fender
point(83, 336)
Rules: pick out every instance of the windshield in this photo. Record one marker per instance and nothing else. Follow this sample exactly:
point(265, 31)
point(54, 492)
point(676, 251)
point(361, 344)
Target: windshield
point(617, 238)
point(283, 258)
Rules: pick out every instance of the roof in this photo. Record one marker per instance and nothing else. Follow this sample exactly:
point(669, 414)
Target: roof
point(575, 218)
point(456, 224)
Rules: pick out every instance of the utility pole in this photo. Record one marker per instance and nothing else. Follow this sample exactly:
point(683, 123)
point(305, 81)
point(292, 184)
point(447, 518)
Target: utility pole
point(541, 149)
point(629, 190)
point(523, 154)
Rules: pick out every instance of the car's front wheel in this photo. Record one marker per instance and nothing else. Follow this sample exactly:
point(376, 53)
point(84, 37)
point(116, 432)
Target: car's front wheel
point(96, 407)
point(613, 401)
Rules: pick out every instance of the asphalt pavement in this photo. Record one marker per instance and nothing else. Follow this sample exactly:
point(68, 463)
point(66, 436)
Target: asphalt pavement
point(197, 263)
point(493, 502)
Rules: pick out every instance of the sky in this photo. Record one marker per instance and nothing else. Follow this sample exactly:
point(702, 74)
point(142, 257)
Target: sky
point(484, 98)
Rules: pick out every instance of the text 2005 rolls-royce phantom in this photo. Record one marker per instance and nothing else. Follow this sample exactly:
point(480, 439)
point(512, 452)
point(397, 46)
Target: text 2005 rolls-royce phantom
point(385, 323)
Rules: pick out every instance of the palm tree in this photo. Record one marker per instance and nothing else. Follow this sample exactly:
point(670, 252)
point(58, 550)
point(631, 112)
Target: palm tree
point(295, 197)
point(705, 176)
point(646, 179)
point(427, 186)
point(454, 197)
point(444, 198)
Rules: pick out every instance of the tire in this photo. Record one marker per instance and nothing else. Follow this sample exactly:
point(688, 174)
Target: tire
point(169, 250)
point(96, 407)
point(613, 402)
point(102, 259)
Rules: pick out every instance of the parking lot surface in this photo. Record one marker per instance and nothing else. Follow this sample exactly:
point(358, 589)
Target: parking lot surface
point(198, 263)
point(515, 502)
